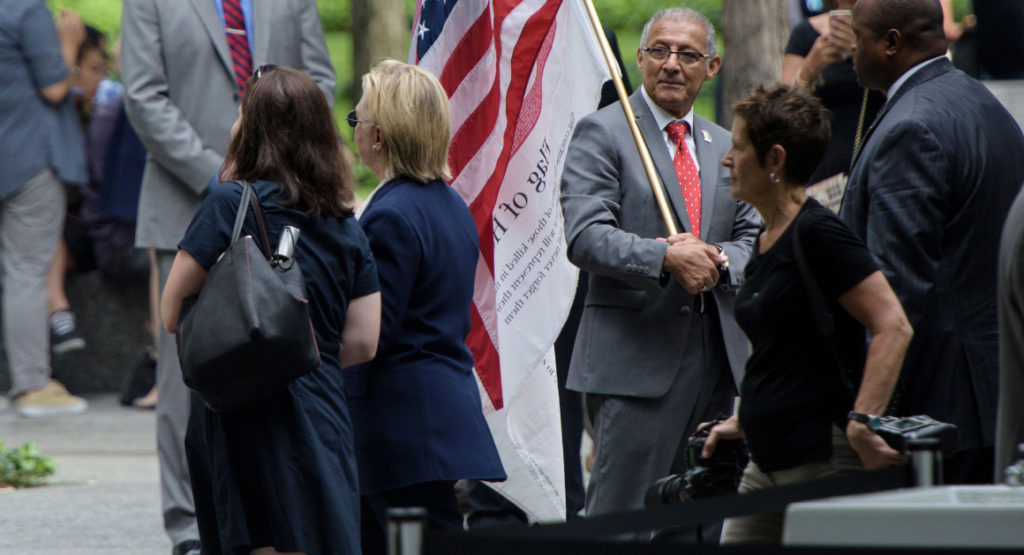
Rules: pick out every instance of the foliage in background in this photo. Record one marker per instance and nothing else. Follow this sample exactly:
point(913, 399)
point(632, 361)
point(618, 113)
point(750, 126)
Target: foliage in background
point(335, 15)
point(23, 466)
point(632, 14)
point(104, 15)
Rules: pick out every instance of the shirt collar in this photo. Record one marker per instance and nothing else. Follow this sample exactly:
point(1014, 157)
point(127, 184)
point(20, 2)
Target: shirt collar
point(891, 93)
point(662, 117)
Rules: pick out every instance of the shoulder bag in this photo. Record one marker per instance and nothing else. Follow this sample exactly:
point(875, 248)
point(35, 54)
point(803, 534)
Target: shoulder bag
point(248, 332)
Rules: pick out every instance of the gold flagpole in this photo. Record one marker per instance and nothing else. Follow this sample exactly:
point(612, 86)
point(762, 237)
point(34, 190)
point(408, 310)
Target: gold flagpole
point(641, 145)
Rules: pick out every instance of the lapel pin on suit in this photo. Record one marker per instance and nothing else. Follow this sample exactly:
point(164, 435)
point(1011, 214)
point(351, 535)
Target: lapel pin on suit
point(707, 136)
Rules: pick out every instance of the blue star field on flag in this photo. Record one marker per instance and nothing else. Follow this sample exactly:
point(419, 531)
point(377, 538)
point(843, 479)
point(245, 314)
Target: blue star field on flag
point(433, 15)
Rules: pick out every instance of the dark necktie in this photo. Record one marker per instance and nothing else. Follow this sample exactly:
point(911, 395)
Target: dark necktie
point(238, 41)
point(686, 170)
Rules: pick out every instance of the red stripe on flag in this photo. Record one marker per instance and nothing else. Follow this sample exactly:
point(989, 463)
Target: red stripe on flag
point(471, 48)
point(530, 112)
point(524, 56)
point(485, 358)
point(469, 138)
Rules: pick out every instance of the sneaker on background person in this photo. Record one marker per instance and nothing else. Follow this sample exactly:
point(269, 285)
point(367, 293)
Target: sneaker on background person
point(52, 399)
point(64, 335)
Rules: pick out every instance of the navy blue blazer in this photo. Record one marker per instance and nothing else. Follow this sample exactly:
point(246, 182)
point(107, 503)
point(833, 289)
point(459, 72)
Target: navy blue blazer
point(416, 407)
point(928, 193)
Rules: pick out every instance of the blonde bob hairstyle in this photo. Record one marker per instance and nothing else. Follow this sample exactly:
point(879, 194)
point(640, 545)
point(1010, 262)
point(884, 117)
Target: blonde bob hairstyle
point(410, 107)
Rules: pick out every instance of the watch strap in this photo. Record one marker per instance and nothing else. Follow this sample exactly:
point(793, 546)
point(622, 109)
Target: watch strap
point(868, 420)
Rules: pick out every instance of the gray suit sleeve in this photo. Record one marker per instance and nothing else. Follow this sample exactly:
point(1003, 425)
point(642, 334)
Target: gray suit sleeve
point(592, 197)
point(1010, 420)
point(168, 137)
point(316, 62)
point(744, 231)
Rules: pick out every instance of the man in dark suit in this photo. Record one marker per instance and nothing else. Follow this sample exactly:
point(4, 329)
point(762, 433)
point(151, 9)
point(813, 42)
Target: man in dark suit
point(929, 192)
point(658, 349)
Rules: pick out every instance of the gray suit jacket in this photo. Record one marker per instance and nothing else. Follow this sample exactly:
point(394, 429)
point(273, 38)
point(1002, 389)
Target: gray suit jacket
point(181, 96)
point(929, 193)
point(630, 340)
point(1010, 426)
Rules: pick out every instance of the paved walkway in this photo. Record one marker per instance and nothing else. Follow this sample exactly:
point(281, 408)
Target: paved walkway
point(105, 495)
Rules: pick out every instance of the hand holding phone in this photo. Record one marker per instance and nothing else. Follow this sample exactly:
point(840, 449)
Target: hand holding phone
point(840, 30)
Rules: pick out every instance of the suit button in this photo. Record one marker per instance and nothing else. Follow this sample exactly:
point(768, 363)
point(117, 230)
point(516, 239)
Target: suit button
point(685, 310)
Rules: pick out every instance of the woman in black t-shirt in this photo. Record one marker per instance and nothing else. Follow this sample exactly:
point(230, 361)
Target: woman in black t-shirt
point(793, 393)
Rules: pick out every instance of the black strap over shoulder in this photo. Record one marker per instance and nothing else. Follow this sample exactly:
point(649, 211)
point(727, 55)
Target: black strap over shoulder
point(826, 323)
point(822, 316)
point(236, 230)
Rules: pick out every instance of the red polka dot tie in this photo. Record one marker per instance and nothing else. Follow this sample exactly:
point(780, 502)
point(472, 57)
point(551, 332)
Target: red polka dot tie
point(686, 170)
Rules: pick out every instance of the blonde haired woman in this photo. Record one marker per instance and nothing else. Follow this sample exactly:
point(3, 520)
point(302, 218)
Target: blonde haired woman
point(416, 407)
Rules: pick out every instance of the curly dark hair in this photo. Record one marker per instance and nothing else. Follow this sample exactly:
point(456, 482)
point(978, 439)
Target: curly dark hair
point(288, 135)
point(791, 118)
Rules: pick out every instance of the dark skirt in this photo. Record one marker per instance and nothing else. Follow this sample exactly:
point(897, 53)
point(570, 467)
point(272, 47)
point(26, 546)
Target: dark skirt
point(282, 474)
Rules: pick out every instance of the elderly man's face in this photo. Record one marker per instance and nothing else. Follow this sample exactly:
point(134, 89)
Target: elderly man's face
point(674, 83)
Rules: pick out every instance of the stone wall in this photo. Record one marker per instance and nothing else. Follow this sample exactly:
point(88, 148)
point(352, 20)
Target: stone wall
point(111, 318)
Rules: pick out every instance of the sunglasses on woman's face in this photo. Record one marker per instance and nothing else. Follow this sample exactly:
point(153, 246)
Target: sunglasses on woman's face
point(353, 120)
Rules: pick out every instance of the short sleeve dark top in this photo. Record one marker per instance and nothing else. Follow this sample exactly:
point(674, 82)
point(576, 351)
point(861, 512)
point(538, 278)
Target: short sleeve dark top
point(333, 253)
point(840, 93)
point(793, 390)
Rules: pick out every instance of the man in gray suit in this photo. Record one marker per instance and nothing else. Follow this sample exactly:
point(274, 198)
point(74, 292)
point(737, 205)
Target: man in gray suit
point(182, 90)
point(658, 349)
point(928, 193)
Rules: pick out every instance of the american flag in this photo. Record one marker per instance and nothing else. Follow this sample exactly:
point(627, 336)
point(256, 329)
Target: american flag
point(519, 74)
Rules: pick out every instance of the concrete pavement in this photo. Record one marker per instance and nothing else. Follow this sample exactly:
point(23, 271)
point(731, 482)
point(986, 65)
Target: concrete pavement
point(105, 494)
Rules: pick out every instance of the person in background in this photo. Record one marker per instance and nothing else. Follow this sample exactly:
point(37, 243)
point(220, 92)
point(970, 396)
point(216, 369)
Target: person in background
point(117, 159)
point(950, 26)
point(99, 227)
point(282, 477)
point(185, 65)
point(818, 60)
point(796, 393)
point(416, 407)
point(75, 250)
point(37, 159)
point(1000, 43)
point(928, 194)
